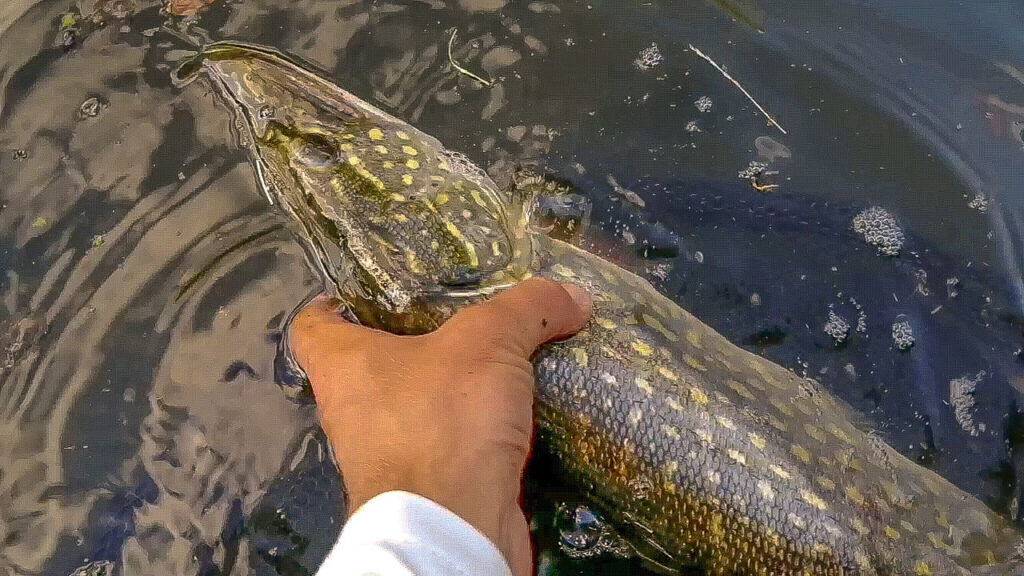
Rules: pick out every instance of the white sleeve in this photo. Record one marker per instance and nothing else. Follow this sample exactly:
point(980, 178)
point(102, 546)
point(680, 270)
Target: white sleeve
point(402, 534)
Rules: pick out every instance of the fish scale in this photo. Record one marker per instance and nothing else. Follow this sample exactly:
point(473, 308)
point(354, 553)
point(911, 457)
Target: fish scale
point(701, 453)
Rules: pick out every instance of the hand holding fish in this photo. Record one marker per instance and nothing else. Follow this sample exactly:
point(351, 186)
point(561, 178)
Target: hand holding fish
point(447, 415)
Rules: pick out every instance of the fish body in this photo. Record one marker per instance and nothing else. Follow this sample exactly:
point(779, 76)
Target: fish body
point(701, 453)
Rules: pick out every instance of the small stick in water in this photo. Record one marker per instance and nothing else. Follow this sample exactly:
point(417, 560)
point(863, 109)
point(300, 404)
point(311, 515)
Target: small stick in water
point(456, 65)
point(733, 80)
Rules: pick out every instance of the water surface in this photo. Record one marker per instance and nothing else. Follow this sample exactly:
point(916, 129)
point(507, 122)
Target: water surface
point(147, 423)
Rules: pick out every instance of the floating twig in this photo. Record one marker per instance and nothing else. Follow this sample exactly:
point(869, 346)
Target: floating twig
point(737, 84)
point(456, 65)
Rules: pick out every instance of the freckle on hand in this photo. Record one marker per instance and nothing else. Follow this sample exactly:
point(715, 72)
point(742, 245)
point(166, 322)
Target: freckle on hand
point(544, 322)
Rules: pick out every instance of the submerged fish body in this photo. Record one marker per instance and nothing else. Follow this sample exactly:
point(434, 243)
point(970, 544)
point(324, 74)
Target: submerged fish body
point(700, 452)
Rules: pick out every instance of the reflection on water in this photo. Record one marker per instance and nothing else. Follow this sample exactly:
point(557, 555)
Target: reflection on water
point(144, 423)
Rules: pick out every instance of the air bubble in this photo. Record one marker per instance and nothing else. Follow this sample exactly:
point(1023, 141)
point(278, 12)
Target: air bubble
point(879, 228)
point(961, 398)
point(753, 170)
point(952, 287)
point(837, 327)
point(703, 104)
point(584, 534)
point(649, 57)
point(902, 333)
point(91, 108)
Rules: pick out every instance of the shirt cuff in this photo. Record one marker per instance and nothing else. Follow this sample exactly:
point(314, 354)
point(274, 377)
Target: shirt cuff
point(400, 533)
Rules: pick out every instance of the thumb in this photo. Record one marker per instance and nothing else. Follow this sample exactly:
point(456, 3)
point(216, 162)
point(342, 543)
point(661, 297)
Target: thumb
point(526, 316)
point(319, 325)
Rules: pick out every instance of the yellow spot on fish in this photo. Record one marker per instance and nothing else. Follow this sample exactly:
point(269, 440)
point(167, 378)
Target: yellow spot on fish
point(400, 218)
point(475, 194)
point(825, 483)
point(375, 134)
point(859, 526)
point(496, 248)
point(641, 348)
point(740, 389)
point(766, 490)
point(694, 363)
point(891, 532)
point(354, 160)
point(674, 405)
point(908, 526)
point(757, 440)
point(670, 431)
point(780, 472)
point(699, 396)
point(667, 373)
point(737, 456)
point(471, 254)
point(414, 263)
point(644, 385)
point(580, 356)
point(402, 135)
point(813, 499)
point(693, 338)
point(815, 432)
point(839, 433)
point(777, 424)
point(369, 176)
point(942, 518)
point(387, 165)
point(453, 230)
point(801, 453)
point(657, 325)
point(562, 271)
point(922, 569)
point(725, 422)
point(605, 323)
point(412, 164)
point(781, 406)
point(409, 150)
point(671, 468)
point(397, 197)
point(936, 540)
point(380, 149)
point(347, 146)
point(440, 199)
point(854, 495)
point(407, 179)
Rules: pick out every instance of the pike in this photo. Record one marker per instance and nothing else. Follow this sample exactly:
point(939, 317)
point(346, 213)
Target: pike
point(700, 453)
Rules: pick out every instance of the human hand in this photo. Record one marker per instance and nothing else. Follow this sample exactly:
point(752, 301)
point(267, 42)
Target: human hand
point(446, 415)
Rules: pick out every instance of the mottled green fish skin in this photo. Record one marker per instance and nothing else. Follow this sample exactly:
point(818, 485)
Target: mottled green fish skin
point(701, 453)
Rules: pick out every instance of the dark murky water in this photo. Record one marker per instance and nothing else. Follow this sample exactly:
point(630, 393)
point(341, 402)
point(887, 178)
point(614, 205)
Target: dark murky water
point(145, 425)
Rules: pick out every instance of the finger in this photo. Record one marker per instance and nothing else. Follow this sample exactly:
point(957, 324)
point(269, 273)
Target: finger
point(525, 317)
point(319, 325)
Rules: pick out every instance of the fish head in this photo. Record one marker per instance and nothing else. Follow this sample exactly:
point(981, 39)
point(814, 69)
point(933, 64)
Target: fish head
point(390, 213)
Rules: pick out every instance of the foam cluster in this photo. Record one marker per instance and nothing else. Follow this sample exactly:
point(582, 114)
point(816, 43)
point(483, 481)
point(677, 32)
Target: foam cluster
point(880, 229)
